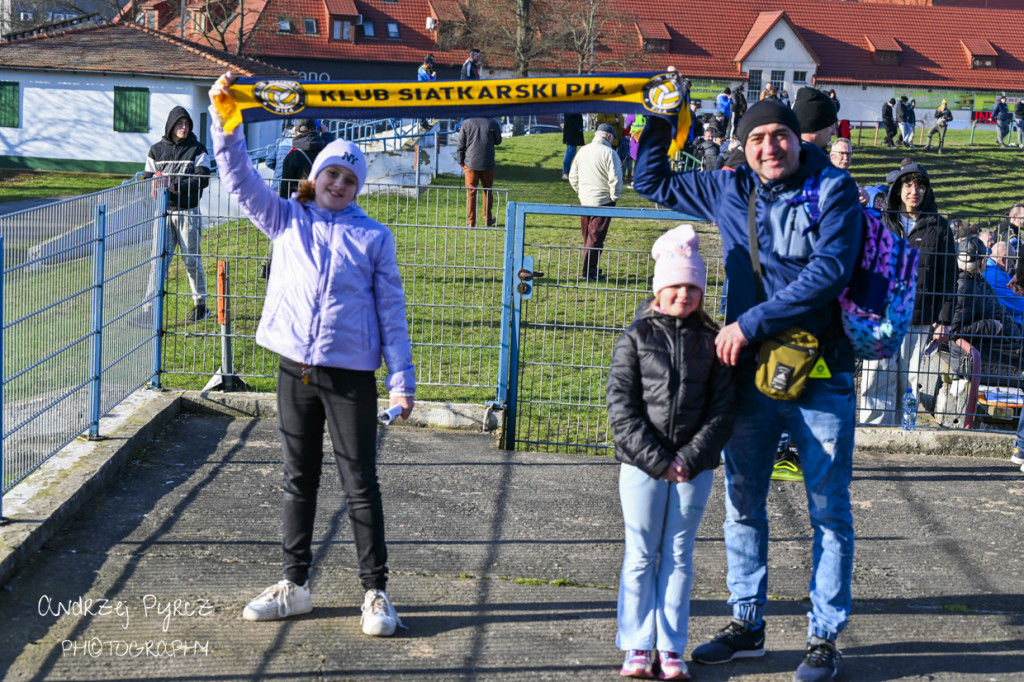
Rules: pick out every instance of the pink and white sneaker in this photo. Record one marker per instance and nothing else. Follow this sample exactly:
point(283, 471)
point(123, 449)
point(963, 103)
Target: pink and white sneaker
point(671, 666)
point(639, 663)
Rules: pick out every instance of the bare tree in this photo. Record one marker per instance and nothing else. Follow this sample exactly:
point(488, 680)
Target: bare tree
point(583, 26)
point(511, 29)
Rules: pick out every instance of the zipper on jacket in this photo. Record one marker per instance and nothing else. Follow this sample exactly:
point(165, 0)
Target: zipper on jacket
point(317, 320)
point(802, 349)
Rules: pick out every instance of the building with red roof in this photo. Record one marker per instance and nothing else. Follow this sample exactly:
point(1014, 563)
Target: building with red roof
point(867, 51)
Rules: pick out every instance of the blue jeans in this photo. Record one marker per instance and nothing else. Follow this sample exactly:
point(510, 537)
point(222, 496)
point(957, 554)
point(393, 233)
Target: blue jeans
point(821, 422)
point(661, 520)
point(570, 154)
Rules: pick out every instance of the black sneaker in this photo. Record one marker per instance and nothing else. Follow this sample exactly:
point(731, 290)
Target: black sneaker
point(735, 640)
point(198, 313)
point(821, 662)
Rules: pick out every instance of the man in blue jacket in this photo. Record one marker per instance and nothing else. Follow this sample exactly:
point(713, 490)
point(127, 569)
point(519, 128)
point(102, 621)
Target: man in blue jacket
point(805, 266)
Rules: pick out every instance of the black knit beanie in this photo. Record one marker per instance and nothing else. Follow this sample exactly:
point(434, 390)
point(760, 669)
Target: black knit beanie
point(814, 110)
point(764, 112)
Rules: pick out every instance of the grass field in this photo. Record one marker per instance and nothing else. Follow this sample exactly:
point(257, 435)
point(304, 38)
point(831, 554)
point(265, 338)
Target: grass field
point(452, 277)
point(16, 185)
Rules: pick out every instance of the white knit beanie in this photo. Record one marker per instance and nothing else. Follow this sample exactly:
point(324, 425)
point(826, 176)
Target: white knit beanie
point(341, 153)
point(676, 260)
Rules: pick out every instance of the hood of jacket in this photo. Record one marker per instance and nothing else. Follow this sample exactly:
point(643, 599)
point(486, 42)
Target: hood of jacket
point(172, 118)
point(894, 202)
point(310, 142)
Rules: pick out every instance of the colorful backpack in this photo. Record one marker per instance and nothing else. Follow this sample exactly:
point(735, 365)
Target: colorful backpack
point(878, 303)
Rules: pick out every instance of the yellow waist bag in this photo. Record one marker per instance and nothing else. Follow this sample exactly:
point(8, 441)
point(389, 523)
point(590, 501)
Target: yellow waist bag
point(784, 363)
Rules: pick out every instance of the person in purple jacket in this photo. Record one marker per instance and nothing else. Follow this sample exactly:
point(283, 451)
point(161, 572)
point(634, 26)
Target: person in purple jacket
point(334, 306)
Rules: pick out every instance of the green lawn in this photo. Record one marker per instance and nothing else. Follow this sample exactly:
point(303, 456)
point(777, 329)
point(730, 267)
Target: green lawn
point(16, 185)
point(981, 179)
point(452, 277)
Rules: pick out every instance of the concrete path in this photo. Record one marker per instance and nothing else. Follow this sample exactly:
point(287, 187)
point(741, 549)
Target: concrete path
point(504, 566)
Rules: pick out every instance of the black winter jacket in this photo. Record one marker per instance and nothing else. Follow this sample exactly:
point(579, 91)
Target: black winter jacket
point(887, 113)
point(936, 268)
point(977, 309)
point(669, 395)
point(185, 161)
point(572, 130)
point(298, 163)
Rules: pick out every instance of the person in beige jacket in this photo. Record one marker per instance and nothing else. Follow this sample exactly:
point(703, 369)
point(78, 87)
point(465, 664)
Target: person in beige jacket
point(596, 177)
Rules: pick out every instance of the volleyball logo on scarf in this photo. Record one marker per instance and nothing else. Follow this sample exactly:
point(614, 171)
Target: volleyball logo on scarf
point(662, 94)
point(280, 97)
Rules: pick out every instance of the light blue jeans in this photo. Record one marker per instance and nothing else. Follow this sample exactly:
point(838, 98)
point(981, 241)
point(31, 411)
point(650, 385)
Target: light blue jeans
point(661, 520)
point(821, 422)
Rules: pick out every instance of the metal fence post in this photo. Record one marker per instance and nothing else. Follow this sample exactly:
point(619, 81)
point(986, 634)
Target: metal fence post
point(507, 282)
point(96, 342)
point(225, 379)
point(2, 379)
point(161, 283)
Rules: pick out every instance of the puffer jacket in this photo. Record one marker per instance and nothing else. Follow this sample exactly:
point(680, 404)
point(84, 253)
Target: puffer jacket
point(977, 309)
point(669, 395)
point(936, 267)
point(805, 266)
point(334, 297)
point(185, 161)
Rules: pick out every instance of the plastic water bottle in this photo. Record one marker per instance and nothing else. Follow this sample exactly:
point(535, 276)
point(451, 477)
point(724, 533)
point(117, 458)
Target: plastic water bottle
point(909, 410)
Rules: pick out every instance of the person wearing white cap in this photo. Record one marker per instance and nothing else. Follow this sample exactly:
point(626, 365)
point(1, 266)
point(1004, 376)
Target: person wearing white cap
point(670, 407)
point(334, 307)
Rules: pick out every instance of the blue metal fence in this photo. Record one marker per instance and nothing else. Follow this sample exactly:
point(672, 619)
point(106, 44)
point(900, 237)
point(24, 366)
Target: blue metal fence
point(83, 327)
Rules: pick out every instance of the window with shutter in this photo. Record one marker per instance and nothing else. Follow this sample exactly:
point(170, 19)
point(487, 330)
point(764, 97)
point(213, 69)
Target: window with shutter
point(10, 104)
point(131, 110)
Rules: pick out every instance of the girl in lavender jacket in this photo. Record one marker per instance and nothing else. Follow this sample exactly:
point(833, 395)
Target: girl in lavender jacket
point(334, 306)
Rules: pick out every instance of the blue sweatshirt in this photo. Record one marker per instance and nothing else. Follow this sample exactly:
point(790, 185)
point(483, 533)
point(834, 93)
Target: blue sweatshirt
point(803, 274)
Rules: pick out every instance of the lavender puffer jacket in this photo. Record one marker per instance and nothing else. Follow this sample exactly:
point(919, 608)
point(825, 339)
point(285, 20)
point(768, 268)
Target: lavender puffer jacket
point(334, 296)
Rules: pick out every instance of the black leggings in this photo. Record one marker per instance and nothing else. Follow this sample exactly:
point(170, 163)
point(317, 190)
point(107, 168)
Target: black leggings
point(346, 400)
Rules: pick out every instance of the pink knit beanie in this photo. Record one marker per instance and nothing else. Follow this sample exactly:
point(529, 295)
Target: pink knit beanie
point(676, 260)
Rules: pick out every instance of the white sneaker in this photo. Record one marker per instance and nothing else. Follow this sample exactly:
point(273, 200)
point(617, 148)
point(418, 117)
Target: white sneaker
point(379, 618)
point(280, 601)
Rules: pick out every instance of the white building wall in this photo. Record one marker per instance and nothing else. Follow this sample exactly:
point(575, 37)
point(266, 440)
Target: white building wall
point(793, 57)
point(71, 116)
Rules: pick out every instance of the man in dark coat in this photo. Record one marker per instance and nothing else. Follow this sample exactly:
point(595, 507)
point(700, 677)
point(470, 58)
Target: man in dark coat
point(183, 167)
point(889, 122)
point(911, 212)
point(572, 138)
point(1001, 117)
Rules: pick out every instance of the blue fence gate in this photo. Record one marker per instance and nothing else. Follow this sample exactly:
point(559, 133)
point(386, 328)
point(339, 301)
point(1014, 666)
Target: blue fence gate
point(559, 330)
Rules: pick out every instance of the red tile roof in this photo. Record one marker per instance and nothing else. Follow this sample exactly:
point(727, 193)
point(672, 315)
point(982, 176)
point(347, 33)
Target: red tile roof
point(978, 47)
point(705, 37)
point(881, 43)
point(122, 47)
point(446, 10)
point(341, 8)
point(653, 30)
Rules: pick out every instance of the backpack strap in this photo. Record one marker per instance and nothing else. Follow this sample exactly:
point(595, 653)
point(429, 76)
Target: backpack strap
point(755, 254)
point(809, 197)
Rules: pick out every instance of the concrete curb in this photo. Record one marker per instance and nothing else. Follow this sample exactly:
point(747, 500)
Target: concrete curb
point(453, 416)
point(37, 508)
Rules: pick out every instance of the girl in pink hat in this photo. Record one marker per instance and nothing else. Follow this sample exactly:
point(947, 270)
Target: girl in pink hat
point(670, 406)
